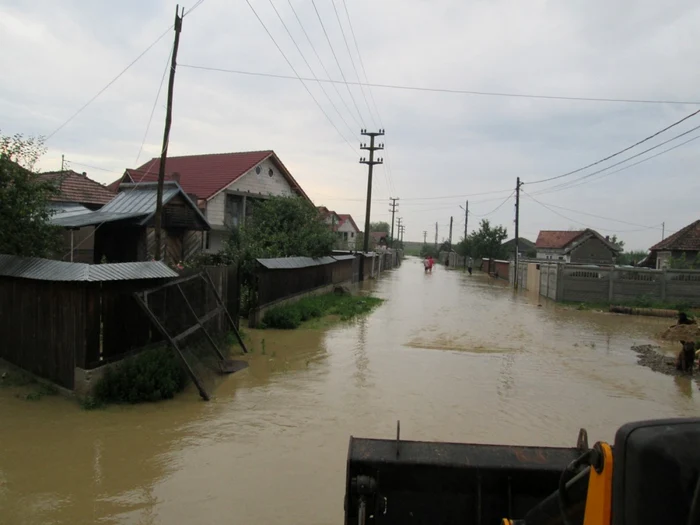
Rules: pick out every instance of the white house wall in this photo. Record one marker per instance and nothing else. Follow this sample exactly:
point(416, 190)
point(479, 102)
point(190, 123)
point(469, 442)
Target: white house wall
point(262, 182)
point(215, 210)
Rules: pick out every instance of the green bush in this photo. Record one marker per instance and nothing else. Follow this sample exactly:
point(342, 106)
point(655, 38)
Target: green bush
point(285, 317)
point(290, 316)
point(152, 375)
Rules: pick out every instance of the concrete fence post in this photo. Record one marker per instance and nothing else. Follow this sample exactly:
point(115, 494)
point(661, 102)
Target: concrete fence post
point(663, 284)
point(611, 284)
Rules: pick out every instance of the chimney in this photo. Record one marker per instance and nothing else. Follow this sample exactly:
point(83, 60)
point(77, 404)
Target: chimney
point(176, 177)
point(607, 237)
point(85, 174)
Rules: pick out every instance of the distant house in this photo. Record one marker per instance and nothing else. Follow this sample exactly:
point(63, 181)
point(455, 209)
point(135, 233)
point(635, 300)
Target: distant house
point(524, 247)
point(347, 231)
point(379, 239)
point(685, 242)
point(122, 230)
point(584, 247)
point(77, 194)
point(329, 217)
point(223, 185)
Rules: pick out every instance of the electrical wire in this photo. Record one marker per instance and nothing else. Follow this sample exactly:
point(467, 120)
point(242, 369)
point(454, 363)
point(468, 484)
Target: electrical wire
point(313, 2)
point(453, 91)
point(575, 183)
point(623, 150)
point(155, 103)
point(352, 62)
point(657, 227)
point(313, 47)
point(89, 166)
point(300, 79)
point(496, 208)
point(579, 222)
point(323, 88)
point(109, 84)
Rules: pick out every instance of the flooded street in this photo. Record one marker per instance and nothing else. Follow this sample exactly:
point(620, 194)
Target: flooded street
point(454, 357)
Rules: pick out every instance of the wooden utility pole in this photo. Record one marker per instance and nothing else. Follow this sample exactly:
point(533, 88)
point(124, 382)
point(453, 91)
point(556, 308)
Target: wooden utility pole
point(63, 162)
point(436, 235)
point(518, 184)
point(663, 231)
point(158, 219)
point(466, 221)
point(450, 239)
point(370, 163)
point(425, 237)
point(393, 212)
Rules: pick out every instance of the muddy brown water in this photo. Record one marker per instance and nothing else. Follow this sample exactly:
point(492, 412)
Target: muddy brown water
point(454, 357)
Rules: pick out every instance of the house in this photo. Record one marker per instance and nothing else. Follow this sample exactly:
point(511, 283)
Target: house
point(583, 247)
point(685, 242)
point(348, 232)
point(223, 185)
point(378, 239)
point(329, 217)
point(122, 230)
point(77, 194)
point(525, 247)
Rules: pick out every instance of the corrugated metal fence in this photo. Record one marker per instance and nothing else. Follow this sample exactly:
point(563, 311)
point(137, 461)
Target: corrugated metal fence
point(56, 316)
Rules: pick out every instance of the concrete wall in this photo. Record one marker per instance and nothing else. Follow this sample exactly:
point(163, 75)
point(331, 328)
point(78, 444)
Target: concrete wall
point(586, 283)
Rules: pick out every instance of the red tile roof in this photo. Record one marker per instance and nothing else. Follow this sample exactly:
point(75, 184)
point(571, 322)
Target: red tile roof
point(344, 217)
point(556, 239)
point(206, 175)
point(76, 187)
point(686, 239)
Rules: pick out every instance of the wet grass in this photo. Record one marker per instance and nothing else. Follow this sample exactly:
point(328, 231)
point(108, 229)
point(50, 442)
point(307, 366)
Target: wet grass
point(639, 302)
point(29, 387)
point(318, 310)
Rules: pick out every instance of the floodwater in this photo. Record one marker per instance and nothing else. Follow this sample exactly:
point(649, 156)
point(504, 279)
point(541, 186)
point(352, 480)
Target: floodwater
point(453, 357)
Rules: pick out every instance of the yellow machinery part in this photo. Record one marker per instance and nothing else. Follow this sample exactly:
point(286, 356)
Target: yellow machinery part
point(599, 499)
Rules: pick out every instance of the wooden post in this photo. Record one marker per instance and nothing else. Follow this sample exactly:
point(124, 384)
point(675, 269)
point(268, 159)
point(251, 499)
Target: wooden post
point(158, 219)
point(611, 284)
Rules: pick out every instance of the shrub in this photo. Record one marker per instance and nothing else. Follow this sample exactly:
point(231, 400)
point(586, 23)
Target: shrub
point(152, 375)
point(285, 317)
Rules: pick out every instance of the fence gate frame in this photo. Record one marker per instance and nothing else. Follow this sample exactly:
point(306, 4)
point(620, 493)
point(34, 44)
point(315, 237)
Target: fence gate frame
point(226, 366)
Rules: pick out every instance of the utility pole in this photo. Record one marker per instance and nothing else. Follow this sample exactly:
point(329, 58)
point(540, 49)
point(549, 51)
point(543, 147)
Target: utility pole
point(663, 231)
point(436, 235)
point(466, 221)
point(393, 212)
point(398, 228)
point(63, 161)
point(402, 230)
point(518, 184)
point(425, 237)
point(370, 163)
point(158, 219)
point(451, 218)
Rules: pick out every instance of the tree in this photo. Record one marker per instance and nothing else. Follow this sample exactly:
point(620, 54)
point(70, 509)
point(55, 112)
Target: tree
point(279, 227)
point(488, 241)
point(380, 226)
point(619, 242)
point(25, 229)
point(631, 258)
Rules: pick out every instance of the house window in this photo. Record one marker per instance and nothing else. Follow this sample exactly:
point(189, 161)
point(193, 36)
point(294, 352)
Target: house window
point(561, 258)
point(352, 234)
point(232, 211)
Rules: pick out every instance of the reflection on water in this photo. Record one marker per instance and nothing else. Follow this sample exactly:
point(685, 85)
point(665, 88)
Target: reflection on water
point(454, 357)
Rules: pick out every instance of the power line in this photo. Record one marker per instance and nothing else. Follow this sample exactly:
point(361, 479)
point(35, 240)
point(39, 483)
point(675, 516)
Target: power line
point(312, 71)
point(621, 151)
point(449, 90)
point(658, 227)
point(573, 184)
point(313, 2)
point(352, 62)
point(313, 47)
point(374, 102)
point(153, 109)
point(300, 79)
point(579, 222)
point(496, 208)
point(89, 166)
point(580, 180)
point(109, 84)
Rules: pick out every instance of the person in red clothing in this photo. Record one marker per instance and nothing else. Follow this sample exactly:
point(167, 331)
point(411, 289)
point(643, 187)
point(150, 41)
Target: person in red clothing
point(428, 264)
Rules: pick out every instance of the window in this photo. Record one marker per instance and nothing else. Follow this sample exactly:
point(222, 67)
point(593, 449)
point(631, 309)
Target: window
point(561, 258)
point(352, 234)
point(232, 210)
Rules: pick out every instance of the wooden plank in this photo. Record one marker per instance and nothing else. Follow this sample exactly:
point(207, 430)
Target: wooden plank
point(194, 314)
point(192, 329)
point(233, 325)
point(173, 343)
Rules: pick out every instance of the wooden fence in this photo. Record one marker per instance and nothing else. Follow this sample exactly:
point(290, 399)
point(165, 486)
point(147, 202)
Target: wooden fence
point(49, 328)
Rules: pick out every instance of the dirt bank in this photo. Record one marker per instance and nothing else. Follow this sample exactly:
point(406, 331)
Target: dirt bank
point(651, 357)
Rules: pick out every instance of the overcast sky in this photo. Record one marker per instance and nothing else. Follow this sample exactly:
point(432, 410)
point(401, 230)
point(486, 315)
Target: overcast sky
point(58, 55)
